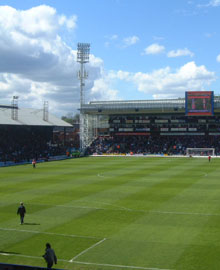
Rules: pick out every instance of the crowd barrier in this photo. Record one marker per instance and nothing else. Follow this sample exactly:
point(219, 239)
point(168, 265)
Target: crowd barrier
point(149, 155)
point(52, 158)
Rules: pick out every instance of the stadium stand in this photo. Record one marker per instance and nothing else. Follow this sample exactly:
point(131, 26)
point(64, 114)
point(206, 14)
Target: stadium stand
point(28, 136)
point(168, 126)
point(175, 145)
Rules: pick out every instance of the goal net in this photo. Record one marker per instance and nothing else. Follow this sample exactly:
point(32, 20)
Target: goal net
point(200, 151)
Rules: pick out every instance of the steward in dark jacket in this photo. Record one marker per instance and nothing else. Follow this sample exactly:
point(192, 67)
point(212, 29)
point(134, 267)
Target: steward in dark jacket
point(21, 211)
point(50, 256)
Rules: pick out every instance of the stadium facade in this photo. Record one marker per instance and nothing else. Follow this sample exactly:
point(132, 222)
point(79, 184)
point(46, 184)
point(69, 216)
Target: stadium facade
point(164, 117)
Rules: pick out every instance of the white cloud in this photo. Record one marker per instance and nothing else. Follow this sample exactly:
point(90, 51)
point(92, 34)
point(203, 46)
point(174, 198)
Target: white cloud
point(165, 83)
point(130, 41)
point(110, 39)
point(180, 52)
point(101, 88)
point(36, 64)
point(40, 20)
point(214, 3)
point(218, 58)
point(102, 91)
point(209, 35)
point(70, 23)
point(113, 37)
point(154, 49)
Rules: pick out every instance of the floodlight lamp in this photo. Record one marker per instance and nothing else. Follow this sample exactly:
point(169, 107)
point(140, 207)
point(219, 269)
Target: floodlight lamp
point(83, 50)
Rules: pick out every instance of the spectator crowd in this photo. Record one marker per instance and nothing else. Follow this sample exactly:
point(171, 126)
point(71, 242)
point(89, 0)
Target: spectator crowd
point(24, 144)
point(171, 145)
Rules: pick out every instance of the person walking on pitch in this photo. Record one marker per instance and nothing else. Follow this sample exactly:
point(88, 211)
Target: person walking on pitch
point(21, 211)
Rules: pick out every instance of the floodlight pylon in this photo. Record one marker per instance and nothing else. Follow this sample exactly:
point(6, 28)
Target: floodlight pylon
point(83, 50)
point(14, 106)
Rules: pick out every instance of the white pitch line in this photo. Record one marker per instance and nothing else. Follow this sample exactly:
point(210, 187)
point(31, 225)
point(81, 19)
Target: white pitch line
point(87, 263)
point(84, 251)
point(184, 213)
point(121, 208)
point(121, 266)
point(5, 254)
point(19, 255)
point(67, 206)
point(26, 256)
point(99, 175)
point(50, 233)
point(88, 207)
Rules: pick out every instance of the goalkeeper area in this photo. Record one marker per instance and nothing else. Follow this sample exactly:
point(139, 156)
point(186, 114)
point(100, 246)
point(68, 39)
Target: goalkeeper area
point(200, 152)
point(113, 213)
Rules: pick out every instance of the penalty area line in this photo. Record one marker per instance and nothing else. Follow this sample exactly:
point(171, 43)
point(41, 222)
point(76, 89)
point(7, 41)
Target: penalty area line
point(84, 251)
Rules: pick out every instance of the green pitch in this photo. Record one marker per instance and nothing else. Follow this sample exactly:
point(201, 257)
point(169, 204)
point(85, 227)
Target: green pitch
point(113, 213)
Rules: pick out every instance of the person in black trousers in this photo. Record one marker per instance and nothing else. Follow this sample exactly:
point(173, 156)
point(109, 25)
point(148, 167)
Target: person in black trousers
point(50, 256)
point(21, 211)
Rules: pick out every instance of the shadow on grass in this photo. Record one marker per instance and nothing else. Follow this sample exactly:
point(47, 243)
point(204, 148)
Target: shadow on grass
point(8, 252)
point(26, 223)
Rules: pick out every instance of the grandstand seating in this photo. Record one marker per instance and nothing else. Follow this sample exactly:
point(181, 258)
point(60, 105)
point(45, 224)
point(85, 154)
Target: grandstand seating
point(172, 145)
point(20, 143)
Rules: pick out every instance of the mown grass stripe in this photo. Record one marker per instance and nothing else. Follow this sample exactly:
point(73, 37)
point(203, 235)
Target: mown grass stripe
point(154, 211)
point(119, 208)
point(50, 233)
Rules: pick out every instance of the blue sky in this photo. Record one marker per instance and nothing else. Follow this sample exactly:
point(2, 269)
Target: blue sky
point(140, 49)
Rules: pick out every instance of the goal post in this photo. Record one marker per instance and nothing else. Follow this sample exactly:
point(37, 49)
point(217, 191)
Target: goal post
point(200, 151)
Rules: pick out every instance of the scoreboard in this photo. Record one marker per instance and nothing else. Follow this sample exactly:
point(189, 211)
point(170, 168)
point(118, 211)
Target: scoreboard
point(199, 103)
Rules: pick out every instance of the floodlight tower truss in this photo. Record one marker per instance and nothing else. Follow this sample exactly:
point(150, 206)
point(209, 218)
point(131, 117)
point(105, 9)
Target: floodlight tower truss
point(46, 111)
point(14, 106)
point(83, 50)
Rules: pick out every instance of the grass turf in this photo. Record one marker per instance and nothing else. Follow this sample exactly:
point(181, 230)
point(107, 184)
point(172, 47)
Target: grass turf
point(113, 213)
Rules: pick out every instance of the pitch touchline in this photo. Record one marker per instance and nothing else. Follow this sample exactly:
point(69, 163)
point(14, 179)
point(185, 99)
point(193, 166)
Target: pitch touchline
point(26, 256)
point(87, 263)
point(131, 210)
point(84, 251)
point(86, 207)
point(184, 213)
point(121, 266)
point(50, 233)
point(67, 206)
